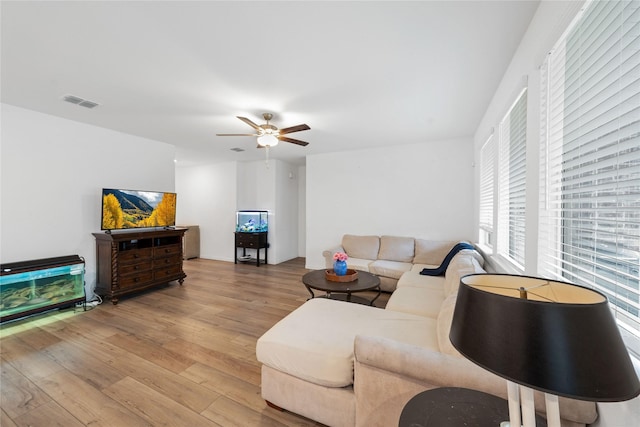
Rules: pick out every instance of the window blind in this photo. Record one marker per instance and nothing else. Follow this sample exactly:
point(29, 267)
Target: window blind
point(487, 160)
point(590, 159)
point(511, 184)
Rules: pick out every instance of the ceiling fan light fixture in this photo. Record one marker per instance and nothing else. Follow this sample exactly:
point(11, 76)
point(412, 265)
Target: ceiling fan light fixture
point(267, 140)
point(268, 134)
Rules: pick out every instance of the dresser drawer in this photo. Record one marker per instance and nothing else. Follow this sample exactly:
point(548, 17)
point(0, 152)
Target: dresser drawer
point(247, 244)
point(167, 261)
point(168, 271)
point(250, 240)
point(133, 268)
point(167, 250)
point(135, 280)
point(134, 255)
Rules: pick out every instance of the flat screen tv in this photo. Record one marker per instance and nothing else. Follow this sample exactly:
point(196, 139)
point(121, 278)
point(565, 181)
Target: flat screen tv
point(123, 209)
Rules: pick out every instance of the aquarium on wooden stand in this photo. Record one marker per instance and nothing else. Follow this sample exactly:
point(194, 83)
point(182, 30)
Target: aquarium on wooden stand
point(29, 287)
point(251, 235)
point(252, 221)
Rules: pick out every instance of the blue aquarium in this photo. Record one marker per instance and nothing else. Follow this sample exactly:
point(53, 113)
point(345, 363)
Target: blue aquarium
point(252, 221)
point(30, 287)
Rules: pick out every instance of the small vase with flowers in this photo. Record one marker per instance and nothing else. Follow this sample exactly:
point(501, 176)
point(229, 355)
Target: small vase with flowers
point(340, 263)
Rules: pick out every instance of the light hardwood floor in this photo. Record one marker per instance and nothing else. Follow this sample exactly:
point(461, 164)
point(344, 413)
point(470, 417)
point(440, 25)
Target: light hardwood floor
point(172, 356)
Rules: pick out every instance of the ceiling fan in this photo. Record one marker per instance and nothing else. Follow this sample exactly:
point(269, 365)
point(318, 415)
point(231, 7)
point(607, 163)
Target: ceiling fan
point(269, 135)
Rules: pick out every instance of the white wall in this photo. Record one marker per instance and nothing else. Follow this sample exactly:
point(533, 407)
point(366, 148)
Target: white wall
point(302, 211)
point(286, 179)
point(269, 188)
point(248, 186)
point(207, 198)
point(550, 21)
point(51, 178)
point(257, 191)
point(419, 190)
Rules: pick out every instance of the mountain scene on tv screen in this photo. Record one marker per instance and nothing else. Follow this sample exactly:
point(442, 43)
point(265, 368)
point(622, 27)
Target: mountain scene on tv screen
point(122, 209)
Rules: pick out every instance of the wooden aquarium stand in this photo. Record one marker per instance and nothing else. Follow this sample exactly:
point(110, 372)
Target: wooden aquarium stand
point(255, 241)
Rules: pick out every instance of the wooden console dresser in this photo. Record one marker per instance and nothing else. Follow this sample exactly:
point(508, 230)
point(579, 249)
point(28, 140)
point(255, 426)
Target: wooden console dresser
point(132, 261)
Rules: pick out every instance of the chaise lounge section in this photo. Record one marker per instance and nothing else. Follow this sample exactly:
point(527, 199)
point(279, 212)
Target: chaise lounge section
point(344, 364)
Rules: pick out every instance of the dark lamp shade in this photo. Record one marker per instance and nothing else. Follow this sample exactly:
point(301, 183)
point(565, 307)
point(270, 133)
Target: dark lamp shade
point(562, 339)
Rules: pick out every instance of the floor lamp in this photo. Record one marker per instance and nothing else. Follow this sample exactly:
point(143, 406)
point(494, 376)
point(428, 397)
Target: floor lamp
point(539, 334)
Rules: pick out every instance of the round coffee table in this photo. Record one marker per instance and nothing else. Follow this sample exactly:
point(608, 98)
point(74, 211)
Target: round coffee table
point(342, 290)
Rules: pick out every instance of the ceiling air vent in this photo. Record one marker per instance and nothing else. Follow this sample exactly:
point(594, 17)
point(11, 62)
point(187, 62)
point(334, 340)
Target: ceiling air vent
point(79, 101)
point(88, 104)
point(237, 149)
point(73, 99)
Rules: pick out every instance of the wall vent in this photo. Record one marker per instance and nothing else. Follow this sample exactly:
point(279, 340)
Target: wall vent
point(79, 101)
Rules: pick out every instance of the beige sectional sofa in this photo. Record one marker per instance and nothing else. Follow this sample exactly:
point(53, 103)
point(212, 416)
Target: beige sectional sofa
point(345, 364)
point(389, 257)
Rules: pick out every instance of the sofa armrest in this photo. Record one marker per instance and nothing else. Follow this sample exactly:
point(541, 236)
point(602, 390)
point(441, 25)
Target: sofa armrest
point(328, 255)
point(426, 365)
point(432, 369)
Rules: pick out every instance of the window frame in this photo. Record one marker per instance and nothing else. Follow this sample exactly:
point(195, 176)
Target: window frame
point(487, 203)
point(511, 188)
point(585, 167)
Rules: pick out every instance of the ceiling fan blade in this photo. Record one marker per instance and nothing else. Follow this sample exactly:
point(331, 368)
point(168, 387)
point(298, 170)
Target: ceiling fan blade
point(249, 122)
point(293, 141)
point(236, 134)
point(292, 129)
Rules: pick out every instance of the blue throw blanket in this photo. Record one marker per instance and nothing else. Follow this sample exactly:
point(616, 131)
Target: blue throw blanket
point(439, 271)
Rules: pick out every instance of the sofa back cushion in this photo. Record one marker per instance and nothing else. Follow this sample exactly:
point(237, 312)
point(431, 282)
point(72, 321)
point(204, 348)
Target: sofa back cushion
point(431, 252)
point(363, 247)
point(463, 263)
point(394, 248)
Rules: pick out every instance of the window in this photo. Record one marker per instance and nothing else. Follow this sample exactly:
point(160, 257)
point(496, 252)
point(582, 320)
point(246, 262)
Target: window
point(511, 184)
point(590, 158)
point(487, 160)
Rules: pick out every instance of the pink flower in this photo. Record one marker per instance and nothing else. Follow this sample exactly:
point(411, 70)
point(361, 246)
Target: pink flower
point(340, 256)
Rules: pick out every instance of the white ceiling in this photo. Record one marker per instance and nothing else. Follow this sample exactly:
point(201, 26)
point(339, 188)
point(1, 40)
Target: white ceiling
point(360, 74)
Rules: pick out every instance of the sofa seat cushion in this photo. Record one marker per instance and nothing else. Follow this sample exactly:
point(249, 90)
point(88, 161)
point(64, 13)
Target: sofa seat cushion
point(359, 264)
point(413, 278)
point(365, 247)
point(392, 269)
point(445, 318)
point(315, 341)
point(395, 248)
point(422, 301)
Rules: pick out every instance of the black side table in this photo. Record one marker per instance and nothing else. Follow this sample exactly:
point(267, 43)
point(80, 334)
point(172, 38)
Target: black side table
point(255, 241)
point(456, 407)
